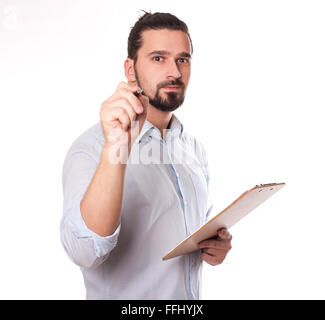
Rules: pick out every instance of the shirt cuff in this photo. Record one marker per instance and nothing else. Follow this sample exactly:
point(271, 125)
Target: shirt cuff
point(102, 245)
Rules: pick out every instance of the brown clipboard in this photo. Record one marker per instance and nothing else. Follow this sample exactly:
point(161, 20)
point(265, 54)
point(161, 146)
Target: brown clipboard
point(246, 203)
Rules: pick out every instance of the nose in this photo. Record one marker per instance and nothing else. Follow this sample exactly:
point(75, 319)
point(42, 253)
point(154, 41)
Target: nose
point(173, 70)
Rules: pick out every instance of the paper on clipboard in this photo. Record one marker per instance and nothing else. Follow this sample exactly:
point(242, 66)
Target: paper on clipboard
point(247, 202)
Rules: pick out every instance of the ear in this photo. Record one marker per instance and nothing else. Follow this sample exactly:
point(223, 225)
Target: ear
point(129, 71)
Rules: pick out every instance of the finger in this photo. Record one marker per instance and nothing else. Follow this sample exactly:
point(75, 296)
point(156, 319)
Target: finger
point(132, 99)
point(214, 252)
point(122, 116)
point(207, 244)
point(125, 85)
point(224, 234)
point(122, 85)
point(212, 260)
point(218, 255)
point(124, 103)
point(215, 244)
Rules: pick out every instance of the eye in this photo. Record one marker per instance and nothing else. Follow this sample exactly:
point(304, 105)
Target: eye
point(183, 60)
point(157, 58)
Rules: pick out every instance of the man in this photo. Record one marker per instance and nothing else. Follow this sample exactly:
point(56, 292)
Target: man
point(120, 218)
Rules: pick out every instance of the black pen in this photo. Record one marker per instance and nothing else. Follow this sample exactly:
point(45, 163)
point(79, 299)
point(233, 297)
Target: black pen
point(138, 92)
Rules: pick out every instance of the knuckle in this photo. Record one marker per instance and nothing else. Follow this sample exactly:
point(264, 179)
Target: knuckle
point(125, 115)
point(121, 85)
point(202, 243)
point(123, 91)
point(121, 111)
point(226, 245)
point(206, 257)
point(216, 262)
point(105, 103)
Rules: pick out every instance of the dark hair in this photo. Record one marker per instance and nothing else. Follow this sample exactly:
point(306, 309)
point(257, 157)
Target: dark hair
point(154, 21)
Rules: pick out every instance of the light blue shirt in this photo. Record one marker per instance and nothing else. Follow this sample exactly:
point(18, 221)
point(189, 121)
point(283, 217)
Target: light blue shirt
point(163, 203)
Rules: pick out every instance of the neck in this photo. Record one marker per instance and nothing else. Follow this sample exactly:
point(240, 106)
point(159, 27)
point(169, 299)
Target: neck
point(158, 118)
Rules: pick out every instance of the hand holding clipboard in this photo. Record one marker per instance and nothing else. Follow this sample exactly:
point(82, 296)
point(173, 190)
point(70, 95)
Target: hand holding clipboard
point(247, 202)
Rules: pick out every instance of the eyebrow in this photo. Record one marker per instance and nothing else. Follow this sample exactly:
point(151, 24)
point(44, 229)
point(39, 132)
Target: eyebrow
point(167, 53)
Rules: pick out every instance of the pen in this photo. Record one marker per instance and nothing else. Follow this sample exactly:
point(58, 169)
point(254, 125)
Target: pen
point(138, 92)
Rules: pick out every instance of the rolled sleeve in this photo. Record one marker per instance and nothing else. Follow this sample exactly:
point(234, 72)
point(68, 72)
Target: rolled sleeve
point(85, 247)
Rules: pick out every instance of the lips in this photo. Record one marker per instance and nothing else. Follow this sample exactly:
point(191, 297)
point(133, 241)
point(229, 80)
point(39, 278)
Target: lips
point(172, 87)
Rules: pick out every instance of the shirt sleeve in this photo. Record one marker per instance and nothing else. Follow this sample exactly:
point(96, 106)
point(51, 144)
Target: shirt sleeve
point(84, 247)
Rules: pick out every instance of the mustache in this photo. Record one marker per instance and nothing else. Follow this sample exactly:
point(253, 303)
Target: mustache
point(171, 83)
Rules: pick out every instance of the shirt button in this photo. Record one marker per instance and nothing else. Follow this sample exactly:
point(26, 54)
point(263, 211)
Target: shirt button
point(185, 202)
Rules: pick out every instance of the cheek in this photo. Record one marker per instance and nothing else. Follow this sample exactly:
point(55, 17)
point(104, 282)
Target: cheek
point(186, 74)
point(151, 88)
point(149, 85)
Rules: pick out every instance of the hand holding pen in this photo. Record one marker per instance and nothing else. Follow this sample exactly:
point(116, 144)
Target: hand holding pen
point(118, 112)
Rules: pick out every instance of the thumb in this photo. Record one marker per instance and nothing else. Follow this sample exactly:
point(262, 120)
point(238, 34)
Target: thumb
point(143, 116)
point(140, 119)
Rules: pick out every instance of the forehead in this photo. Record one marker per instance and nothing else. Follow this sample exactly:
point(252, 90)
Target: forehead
point(174, 41)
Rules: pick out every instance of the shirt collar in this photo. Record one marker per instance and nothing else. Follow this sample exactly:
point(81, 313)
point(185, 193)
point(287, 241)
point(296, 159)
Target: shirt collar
point(148, 129)
point(176, 127)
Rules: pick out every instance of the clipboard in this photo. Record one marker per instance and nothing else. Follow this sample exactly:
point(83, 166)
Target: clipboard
point(238, 209)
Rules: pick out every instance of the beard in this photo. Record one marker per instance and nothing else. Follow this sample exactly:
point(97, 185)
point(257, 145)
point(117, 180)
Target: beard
point(174, 99)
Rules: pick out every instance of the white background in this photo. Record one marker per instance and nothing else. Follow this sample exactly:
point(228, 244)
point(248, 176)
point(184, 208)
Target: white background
point(255, 99)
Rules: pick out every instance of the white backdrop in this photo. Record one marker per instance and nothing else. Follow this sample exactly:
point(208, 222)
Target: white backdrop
point(255, 99)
